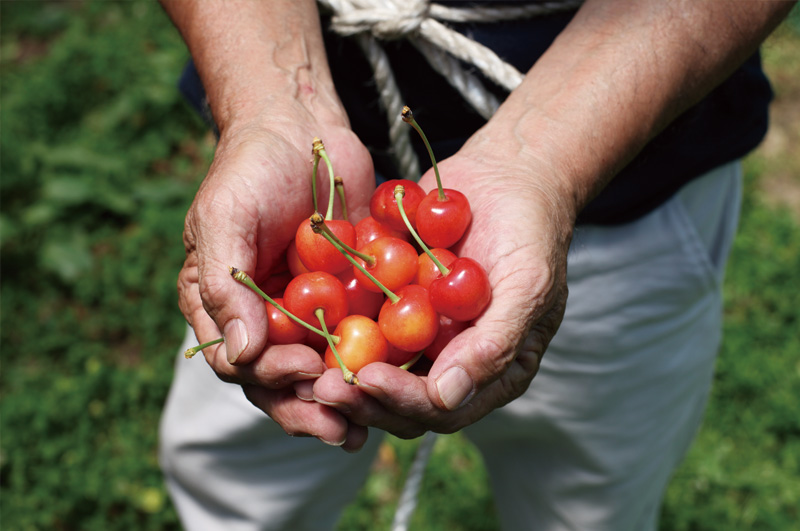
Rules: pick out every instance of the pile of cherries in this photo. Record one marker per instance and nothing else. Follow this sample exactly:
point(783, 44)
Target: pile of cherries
point(385, 300)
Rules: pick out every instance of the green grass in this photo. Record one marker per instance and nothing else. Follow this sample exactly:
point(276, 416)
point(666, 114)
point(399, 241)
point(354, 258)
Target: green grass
point(99, 161)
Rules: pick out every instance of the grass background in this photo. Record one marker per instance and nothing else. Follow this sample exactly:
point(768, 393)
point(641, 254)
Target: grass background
point(99, 160)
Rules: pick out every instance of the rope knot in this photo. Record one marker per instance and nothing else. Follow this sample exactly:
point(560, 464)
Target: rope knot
point(391, 21)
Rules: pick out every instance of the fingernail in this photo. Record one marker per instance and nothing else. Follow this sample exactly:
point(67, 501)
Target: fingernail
point(333, 443)
point(236, 339)
point(455, 387)
point(304, 390)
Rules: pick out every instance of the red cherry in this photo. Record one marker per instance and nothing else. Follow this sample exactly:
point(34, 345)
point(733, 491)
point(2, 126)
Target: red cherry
point(427, 270)
point(394, 263)
point(281, 329)
point(296, 266)
point(399, 357)
point(383, 206)
point(309, 292)
point(442, 222)
point(448, 329)
point(464, 292)
point(360, 300)
point(369, 229)
point(360, 343)
point(411, 323)
point(317, 253)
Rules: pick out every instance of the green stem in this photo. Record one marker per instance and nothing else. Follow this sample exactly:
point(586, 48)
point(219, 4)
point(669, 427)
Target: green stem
point(190, 352)
point(318, 224)
point(340, 190)
point(399, 193)
point(391, 296)
point(408, 117)
point(410, 363)
point(324, 155)
point(315, 151)
point(348, 375)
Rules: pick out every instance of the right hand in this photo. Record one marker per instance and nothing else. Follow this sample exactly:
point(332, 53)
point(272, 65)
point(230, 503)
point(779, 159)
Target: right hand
point(246, 212)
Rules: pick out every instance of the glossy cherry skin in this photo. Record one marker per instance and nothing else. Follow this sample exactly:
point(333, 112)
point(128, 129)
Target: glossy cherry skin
point(464, 293)
point(317, 253)
point(360, 300)
point(295, 265)
point(448, 329)
point(360, 343)
point(383, 207)
point(411, 323)
point(427, 271)
point(318, 289)
point(369, 229)
point(399, 357)
point(441, 223)
point(280, 328)
point(395, 263)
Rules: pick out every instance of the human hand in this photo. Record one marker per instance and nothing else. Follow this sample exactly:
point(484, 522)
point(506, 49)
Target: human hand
point(520, 232)
point(245, 213)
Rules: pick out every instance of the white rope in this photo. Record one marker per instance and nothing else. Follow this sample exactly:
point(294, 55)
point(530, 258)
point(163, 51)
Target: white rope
point(420, 21)
point(408, 498)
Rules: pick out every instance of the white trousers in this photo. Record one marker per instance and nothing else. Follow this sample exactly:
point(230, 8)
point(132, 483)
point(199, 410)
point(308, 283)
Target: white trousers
point(590, 446)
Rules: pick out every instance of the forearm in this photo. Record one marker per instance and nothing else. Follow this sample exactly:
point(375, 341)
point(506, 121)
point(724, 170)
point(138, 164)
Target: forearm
point(254, 57)
point(618, 74)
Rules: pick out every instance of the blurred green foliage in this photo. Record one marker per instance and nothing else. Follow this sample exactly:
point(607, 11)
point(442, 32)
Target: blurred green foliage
point(99, 160)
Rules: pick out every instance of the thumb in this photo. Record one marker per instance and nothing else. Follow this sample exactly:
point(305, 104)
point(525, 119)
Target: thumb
point(238, 312)
point(522, 302)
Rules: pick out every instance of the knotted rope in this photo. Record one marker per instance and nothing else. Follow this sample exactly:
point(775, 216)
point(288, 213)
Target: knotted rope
point(421, 23)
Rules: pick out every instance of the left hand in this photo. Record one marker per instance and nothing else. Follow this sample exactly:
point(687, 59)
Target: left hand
point(520, 232)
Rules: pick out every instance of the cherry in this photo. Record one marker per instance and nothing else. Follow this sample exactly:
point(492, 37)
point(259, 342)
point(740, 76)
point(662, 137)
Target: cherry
point(462, 293)
point(360, 300)
point(383, 207)
point(369, 229)
point(314, 291)
point(401, 358)
point(409, 321)
point(443, 215)
point(316, 253)
point(281, 329)
point(427, 270)
point(360, 343)
point(393, 262)
point(448, 329)
point(296, 266)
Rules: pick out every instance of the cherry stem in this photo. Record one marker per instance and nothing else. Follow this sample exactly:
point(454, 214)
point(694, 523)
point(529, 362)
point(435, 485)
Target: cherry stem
point(190, 352)
point(245, 279)
point(408, 117)
point(399, 193)
point(319, 227)
point(320, 149)
point(391, 296)
point(410, 363)
point(340, 190)
point(348, 375)
point(316, 145)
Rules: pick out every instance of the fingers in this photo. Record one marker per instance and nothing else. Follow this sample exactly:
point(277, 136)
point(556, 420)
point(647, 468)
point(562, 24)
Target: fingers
point(300, 418)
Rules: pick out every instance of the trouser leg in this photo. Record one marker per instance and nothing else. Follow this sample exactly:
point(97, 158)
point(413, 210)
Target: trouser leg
point(228, 466)
point(622, 388)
